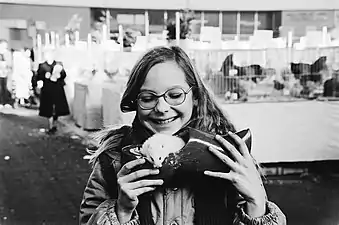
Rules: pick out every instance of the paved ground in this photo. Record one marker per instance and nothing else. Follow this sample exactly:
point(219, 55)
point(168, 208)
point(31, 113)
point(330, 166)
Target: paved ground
point(42, 178)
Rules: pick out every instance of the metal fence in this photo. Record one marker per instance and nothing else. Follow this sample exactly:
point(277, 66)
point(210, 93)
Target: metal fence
point(270, 73)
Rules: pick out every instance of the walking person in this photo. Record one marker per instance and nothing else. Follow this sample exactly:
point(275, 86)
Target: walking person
point(53, 101)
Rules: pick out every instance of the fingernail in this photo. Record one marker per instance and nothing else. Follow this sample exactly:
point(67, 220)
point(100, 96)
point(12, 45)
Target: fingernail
point(217, 136)
point(156, 171)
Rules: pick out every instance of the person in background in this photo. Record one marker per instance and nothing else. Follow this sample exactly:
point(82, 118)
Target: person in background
point(53, 101)
point(22, 75)
point(331, 86)
point(5, 70)
point(34, 81)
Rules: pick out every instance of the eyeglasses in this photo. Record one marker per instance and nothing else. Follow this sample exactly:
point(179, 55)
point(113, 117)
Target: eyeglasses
point(174, 97)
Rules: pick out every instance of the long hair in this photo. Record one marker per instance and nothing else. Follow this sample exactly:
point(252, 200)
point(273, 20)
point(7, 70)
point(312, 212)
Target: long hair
point(206, 116)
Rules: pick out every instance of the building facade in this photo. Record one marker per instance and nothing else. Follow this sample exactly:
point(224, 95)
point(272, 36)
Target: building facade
point(16, 21)
point(239, 17)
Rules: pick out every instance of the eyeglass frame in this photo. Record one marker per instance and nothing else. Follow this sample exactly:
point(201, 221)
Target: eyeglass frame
point(163, 95)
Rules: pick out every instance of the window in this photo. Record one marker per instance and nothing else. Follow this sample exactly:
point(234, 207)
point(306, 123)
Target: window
point(16, 34)
point(229, 23)
point(265, 21)
point(247, 22)
point(276, 20)
point(171, 16)
point(197, 15)
point(156, 17)
point(269, 21)
point(128, 18)
point(156, 21)
point(196, 25)
point(211, 19)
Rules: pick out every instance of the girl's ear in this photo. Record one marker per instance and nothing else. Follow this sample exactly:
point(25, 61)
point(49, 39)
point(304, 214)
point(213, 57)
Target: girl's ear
point(195, 102)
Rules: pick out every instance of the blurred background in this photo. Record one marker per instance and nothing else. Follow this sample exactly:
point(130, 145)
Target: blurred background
point(272, 65)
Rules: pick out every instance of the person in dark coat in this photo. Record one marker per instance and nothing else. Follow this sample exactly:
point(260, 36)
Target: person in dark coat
point(53, 101)
point(331, 86)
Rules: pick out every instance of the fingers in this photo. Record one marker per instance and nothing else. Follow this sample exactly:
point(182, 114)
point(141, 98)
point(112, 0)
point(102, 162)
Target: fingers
point(226, 176)
point(224, 158)
point(127, 168)
point(133, 194)
point(136, 192)
point(134, 189)
point(143, 190)
point(233, 150)
point(131, 183)
point(241, 143)
point(145, 183)
point(137, 175)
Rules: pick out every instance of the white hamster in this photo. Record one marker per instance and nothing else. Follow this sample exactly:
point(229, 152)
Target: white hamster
point(159, 146)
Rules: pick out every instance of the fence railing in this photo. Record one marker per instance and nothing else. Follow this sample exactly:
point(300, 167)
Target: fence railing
point(268, 58)
point(289, 73)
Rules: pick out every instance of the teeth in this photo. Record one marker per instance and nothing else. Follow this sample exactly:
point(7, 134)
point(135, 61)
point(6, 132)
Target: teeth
point(165, 121)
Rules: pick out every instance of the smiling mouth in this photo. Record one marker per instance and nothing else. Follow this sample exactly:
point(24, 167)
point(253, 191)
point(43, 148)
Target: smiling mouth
point(162, 122)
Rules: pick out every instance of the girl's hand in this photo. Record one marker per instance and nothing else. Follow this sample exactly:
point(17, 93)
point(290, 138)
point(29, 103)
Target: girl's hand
point(243, 174)
point(130, 186)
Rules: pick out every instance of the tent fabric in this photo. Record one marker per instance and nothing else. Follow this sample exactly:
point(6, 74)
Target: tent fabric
point(290, 131)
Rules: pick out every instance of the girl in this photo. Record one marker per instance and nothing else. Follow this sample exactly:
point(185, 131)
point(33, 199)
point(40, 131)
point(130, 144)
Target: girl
point(168, 95)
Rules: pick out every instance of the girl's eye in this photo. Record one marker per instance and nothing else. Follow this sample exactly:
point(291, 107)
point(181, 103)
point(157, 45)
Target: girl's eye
point(175, 95)
point(147, 98)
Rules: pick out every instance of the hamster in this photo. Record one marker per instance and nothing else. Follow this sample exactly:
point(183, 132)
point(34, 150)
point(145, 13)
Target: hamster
point(156, 148)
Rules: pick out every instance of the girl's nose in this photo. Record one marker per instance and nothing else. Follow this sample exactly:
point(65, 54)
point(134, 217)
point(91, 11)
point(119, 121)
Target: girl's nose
point(162, 105)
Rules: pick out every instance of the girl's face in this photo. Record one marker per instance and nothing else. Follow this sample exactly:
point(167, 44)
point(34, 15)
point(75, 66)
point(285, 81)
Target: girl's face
point(165, 118)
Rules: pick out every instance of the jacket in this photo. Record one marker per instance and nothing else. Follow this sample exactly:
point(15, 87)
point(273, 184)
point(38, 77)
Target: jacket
point(169, 206)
